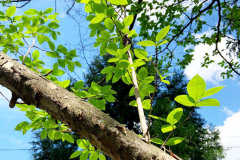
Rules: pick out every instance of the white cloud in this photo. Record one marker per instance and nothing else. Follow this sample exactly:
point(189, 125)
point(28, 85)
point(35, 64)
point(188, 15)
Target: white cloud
point(230, 136)
point(227, 111)
point(213, 72)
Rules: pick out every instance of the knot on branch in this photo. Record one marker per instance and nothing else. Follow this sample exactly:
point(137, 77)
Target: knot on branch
point(13, 100)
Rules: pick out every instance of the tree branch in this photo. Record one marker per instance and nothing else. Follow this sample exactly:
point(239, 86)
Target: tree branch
point(80, 116)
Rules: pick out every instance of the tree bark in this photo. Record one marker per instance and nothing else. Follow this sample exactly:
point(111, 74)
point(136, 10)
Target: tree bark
point(86, 120)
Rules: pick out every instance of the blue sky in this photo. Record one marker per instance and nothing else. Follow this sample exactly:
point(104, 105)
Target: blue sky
point(226, 117)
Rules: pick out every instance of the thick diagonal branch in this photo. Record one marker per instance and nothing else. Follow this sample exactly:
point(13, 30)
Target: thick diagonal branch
point(86, 120)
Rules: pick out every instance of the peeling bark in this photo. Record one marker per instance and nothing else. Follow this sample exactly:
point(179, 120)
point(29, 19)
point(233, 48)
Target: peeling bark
point(86, 120)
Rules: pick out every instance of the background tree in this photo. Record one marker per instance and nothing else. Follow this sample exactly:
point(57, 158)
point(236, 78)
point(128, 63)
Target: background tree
point(46, 149)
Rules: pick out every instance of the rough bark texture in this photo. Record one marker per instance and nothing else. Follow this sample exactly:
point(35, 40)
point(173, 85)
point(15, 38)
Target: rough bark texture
point(103, 132)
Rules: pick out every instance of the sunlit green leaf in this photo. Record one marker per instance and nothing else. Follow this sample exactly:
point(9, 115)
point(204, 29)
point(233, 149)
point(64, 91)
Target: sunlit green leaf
point(146, 43)
point(174, 116)
point(128, 20)
point(69, 138)
point(84, 155)
point(167, 128)
point(35, 54)
point(212, 91)
point(118, 2)
point(162, 34)
point(185, 100)
point(43, 134)
point(31, 12)
point(174, 141)
point(97, 19)
point(196, 87)
point(11, 11)
point(157, 141)
point(75, 154)
point(159, 118)
point(208, 102)
point(140, 53)
point(109, 24)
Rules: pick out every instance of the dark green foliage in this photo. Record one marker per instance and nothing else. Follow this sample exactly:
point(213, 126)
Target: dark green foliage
point(47, 149)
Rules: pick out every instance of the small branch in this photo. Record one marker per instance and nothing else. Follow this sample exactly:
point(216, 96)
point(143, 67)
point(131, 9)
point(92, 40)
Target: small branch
point(135, 16)
point(71, 7)
point(4, 96)
point(29, 50)
point(190, 22)
point(178, 127)
point(218, 39)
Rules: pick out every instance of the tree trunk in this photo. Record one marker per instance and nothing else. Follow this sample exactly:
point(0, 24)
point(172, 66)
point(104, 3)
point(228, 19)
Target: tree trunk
point(86, 120)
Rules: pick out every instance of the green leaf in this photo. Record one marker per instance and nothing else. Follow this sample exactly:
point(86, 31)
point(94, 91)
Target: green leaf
point(75, 154)
point(142, 73)
point(47, 11)
point(53, 25)
point(110, 98)
point(58, 72)
point(101, 157)
point(100, 104)
point(78, 85)
point(115, 59)
point(167, 128)
point(63, 84)
point(174, 116)
point(212, 91)
point(82, 143)
point(107, 70)
point(21, 125)
point(124, 63)
point(93, 156)
point(146, 104)
point(117, 75)
point(78, 64)
point(44, 134)
point(98, 18)
point(11, 11)
point(162, 33)
point(43, 29)
point(157, 141)
point(146, 43)
point(35, 54)
point(112, 52)
point(196, 87)
point(69, 138)
point(84, 155)
point(52, 54)
point(174, 141)
point(118, 2)
point(58, 135)
point(128, 20)
point(159, 118)
point(184, 100)
point(31, 12)
point(140, 53)
point(161, 43)
point(51, 134)
point(71, 66)
point(208, 102)
point(109, 24)
point(51, 45)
